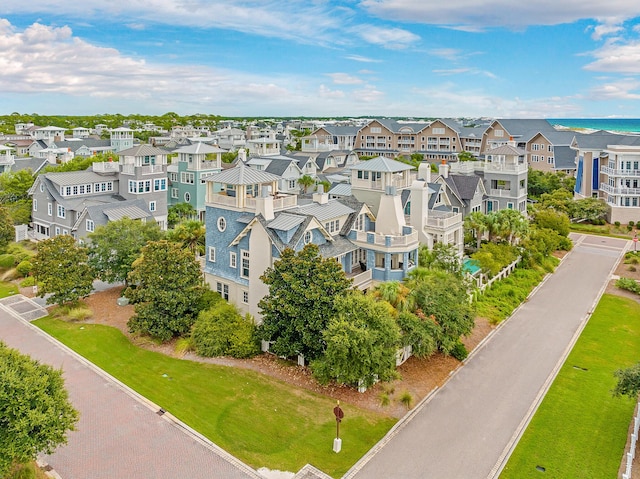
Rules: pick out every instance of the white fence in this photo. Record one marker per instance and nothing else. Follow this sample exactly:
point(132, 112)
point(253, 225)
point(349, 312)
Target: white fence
point(506, 271)
point(630, 454)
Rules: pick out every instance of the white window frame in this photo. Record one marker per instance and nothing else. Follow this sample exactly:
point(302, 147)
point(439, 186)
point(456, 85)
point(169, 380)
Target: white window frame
point(90, 226)
point(61, 212)
point(244, 257)
point(35, 204)
point(175, 193)
point(245, 297)
point(221, 224)
point(152, 206)
point(212, 254)
point(187, 197)
point(233, 259)
point(50, 209)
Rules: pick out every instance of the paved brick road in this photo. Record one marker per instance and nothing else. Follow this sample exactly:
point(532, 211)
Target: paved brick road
point(119, 435)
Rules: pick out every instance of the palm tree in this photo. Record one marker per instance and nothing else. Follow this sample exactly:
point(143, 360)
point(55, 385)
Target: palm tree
point(477, 222)
point(306, 181)
point(513, 225)
point(191, 234)
point(395, 293)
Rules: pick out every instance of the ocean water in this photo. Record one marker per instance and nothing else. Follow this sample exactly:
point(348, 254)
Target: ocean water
point(627, 125)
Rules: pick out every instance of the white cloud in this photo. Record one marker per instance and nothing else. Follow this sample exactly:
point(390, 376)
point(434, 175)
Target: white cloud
point(344, 79)
point(494, 13)
point(325, 92)
point(360, 58)
point(465, 71)
point(616, 57)
point(451, 54)
point(625, 89)
point(391, 38)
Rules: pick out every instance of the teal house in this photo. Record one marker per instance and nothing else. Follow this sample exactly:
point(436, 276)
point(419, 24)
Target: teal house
point(187, 175)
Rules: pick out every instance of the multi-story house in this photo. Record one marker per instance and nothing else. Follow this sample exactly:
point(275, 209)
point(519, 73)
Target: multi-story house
point(264, 146)
point(249, 222)
point(329, 138)
point(389, 138)
point(285, 168)
point(49, 134)
point(442, 140)
point(466, 193)
point(512, 131)
point(7, 160)
point(121, 138)
point(551, 151)
point(81, 132)
point(504, 174)
point(187, 175)
point(620, 179)
point(135, 186)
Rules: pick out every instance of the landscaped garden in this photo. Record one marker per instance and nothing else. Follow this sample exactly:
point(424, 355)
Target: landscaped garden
point(580, 429)
point(263, 422)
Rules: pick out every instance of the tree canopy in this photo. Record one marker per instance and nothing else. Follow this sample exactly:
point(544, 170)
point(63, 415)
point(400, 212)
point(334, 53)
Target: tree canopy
point(116, 245)
point(190, 234)
point(7, 232)
point(35, 412)
point(362, 341)
point(61, 268)
point(303, 288)
point(166, 288)
point(628, 381)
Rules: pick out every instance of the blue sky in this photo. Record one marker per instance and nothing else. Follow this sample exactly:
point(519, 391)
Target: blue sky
point(494, 58)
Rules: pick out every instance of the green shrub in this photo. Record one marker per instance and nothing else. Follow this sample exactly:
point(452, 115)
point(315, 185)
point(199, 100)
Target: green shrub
point(30, 281)
point(24, 268)
point(72, 312)
point(384, 399)
point(459, 351)
point(632, 268)
point(7, 261)
point(629, 227)
point(223, 331)
point(407, 399)
point(628, 284)
point(631, 223)
point(183, 346)
point(617, 223)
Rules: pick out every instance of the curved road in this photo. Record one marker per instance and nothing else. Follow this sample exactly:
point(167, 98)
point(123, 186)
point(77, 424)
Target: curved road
point(467, 429)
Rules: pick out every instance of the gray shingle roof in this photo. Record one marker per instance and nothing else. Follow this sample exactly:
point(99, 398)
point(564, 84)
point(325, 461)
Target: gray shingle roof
point(598, 140)
point(465, 185)
point(564, 158)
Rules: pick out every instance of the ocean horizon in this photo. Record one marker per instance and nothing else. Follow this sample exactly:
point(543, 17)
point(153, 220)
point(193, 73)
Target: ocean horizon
point(622, 125)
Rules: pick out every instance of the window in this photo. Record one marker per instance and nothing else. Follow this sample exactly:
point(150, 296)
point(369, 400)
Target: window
point(233, 260)
point(160, 184)
point(152, 206)
point(292, 184)
point(61, 213)
point(212, 254)
point(245, 297)
point(437, 131)
point(535, 158)
point(187, 178)
point(174, 193)
point(376, 129)
point(41, 188)
point(173, 176)
point(498, 133)
point(223, 290)
point(550, 159)
point(57, 231)
point(222, 224)
point(510, 205)
point(550, 148)
point(187, 197)
point(90, 226)
point(35, 205)
point(307, 237)
point(49, 209)
point(244, 271)
point(535, 147)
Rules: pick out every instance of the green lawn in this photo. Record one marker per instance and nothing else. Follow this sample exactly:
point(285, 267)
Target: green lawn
point(580, 430)
point(7, 289)
point(261, 421)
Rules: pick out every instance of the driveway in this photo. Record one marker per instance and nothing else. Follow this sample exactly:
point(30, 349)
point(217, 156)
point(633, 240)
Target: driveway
point(120, 434)
point(468, 428)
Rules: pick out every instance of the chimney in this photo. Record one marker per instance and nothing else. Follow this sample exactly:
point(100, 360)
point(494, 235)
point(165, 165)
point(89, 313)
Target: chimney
point(320, 196)
point(420, 210)
point(443, 169)
point(242, 155)
point(424, 172)
point(264, 204)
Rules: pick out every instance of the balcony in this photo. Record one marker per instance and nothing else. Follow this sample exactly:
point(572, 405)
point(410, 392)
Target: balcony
point(105, 167)
point(502, 193)
point(280, 202)
point(442, 220)
point(130, 169)
point(471, 166)
point(613, 172)
point(619, 191)
point(387, 241)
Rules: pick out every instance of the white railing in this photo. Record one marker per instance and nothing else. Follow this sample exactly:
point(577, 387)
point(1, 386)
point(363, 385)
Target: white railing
point(444, 221)
point(130, 169)
point(502, 193)
point(224, 200)
point(506, 271)
point(619, 191)
point(380, 239)
point(630, 454)
point(613, 172)
point(470, 166)
point(105, 167)
point(361, 280)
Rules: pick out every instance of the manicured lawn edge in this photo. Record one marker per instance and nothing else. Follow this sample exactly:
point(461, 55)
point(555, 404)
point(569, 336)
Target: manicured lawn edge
point(580, 430)
point(261, 421)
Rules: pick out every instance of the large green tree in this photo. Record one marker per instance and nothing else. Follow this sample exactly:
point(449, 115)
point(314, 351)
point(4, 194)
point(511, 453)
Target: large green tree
point(61, 268)
point(14, 194)
point(35, 412)
point(477, 223)
point(303, 288)
point(167, 290)
point(444, 297)
point(362, 340)
point(190, 234)
point(180, 212)
point(306, 181)
point(116, 245)
point(7, 232)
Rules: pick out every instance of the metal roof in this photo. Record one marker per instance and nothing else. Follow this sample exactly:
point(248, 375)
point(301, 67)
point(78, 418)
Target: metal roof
point(327, 211)
point(133, 212)
point(199, 147)
point(382, 164)
point(285, 221)
point(68, 178)
point(143, 150)
point(506, 150)
point(243, 175)
point(341, 189)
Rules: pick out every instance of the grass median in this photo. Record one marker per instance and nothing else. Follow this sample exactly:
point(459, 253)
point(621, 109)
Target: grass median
point(263, 422)
point(580, 429)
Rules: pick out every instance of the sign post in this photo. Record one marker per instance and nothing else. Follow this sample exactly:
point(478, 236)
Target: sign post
point(635, 241)
point(337, 442)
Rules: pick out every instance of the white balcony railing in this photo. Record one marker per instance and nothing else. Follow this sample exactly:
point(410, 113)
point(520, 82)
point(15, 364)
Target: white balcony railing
point(381, 240)
point(361, 279)
point(612, 190)
point(130, 169)
point(105, 167)
point(613, 172)
point(443, 220)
